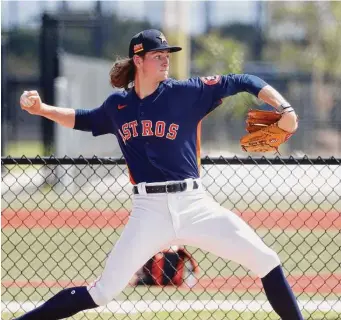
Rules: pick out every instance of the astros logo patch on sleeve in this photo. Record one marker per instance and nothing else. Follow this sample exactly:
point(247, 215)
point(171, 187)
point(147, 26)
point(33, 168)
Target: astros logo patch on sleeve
point(211, 80)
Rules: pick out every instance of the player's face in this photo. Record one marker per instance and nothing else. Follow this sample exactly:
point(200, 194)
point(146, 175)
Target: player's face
point(156, 65)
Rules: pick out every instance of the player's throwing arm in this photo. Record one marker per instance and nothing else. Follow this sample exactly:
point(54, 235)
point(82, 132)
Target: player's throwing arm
point(30, 101)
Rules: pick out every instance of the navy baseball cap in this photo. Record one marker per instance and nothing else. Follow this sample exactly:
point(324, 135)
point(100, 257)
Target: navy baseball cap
point(149, 40)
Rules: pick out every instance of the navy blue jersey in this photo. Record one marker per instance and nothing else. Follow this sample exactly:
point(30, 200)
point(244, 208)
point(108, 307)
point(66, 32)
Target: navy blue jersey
point(160, 135)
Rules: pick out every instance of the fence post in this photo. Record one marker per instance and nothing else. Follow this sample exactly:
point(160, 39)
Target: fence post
point(4, 95)
point(49, 70)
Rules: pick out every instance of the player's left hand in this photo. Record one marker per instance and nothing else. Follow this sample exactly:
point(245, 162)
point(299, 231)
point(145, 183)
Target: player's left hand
point(288, 122)
point(267, 130)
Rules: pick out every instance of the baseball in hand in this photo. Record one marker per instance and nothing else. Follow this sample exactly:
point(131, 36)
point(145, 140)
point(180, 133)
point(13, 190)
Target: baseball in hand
point(30, 101)
point(26, 100)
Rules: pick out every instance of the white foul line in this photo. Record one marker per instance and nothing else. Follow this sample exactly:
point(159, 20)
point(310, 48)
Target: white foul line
point(130, 307)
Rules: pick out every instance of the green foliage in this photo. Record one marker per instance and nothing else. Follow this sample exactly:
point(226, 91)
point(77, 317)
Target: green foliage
point(22, 50)
point(219, 55)
point(22, 42)
point(120, 32)
point(320, 49)
point(245, 33)
point(115, 32)
point(77, 41)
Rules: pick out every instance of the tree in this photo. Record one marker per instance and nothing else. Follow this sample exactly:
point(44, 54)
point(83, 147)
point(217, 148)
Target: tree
point(23, 44)
point(313, 44)
point(217, 55)
point(304, 36)
point(121, 32)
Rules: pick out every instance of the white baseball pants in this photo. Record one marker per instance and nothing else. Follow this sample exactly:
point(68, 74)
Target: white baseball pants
point(158, 221)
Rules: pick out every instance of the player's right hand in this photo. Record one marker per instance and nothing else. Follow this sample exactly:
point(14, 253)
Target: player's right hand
point(31, 102)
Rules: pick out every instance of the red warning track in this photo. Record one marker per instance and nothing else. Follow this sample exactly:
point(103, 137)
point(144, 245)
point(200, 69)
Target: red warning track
point(321, 283)
point(110, 219)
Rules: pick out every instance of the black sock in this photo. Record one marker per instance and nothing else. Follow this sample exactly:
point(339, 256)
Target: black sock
point(64, 304)
point(280, 295)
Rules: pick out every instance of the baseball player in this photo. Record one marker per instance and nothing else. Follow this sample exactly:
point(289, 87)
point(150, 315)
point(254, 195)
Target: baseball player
point(156, 121)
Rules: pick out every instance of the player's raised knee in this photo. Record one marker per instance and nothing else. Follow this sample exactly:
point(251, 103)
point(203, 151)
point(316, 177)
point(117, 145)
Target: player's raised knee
point(268, 262)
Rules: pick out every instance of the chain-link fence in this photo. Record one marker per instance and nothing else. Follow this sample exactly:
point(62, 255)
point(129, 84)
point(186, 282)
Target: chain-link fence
point(60, 218)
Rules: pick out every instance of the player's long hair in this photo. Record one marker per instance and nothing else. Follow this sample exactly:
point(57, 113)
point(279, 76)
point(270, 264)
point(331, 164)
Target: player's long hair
point(122, 73)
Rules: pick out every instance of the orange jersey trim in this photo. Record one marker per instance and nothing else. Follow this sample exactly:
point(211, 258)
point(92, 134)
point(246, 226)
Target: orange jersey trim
point(198, 146)
point(132, 181)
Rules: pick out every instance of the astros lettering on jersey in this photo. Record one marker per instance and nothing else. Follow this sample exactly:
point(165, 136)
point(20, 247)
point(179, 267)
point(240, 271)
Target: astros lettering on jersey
point(160, 134)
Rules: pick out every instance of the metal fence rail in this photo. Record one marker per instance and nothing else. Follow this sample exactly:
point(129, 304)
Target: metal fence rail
point(61, 216)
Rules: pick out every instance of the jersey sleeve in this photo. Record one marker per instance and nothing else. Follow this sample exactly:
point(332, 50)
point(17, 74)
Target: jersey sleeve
point(211, 90)
point(231, 84)
point(98, 120)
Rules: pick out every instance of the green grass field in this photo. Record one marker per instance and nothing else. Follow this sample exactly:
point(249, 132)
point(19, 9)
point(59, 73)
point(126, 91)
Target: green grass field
point(79, 254)
point(192, 315)
point(301, 251)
